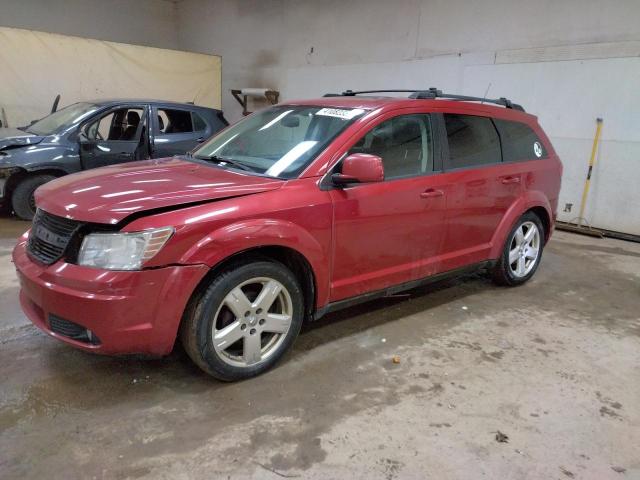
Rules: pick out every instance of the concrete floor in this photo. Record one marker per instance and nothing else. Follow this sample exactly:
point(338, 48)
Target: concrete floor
point(554, 365)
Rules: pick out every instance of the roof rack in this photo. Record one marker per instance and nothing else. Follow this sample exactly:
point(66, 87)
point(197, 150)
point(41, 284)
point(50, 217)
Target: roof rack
point(433, 93)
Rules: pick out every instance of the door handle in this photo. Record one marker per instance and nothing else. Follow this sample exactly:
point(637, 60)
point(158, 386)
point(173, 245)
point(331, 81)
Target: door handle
point(510, 179)
point(200, 139)
point(432, 192)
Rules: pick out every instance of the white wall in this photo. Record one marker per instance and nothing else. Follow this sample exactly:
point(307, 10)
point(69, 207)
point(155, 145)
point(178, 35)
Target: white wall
point(141, 22)
point(567, 61)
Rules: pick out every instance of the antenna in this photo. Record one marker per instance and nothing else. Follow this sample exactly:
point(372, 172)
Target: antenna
point(486, 92)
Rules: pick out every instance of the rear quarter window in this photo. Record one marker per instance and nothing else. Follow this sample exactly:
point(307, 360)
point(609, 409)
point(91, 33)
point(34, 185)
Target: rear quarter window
point(519, 141)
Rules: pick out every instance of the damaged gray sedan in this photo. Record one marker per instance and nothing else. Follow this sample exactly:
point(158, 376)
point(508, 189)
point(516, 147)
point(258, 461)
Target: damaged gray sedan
point(95, 134)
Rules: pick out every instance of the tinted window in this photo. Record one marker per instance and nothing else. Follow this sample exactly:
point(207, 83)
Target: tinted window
point(473, 141)
point(198, 123)
point(404, 144)
point(174, 121)
point(519, 141)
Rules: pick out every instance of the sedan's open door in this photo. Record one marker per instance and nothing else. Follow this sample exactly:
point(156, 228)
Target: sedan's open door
point(117, 136)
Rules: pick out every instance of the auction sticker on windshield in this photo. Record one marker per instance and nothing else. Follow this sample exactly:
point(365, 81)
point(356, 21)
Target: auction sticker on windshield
point(340, 113)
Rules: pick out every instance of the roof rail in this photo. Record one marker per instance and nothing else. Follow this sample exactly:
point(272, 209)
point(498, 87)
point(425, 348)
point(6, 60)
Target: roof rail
point(433, 93)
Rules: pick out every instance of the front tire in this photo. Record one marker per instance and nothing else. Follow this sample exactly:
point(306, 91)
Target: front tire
point(522, 252)
point(245, 321)
point(22, 199)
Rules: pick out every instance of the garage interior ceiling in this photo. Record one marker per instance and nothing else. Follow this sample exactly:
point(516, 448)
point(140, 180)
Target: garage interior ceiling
point(568, 62)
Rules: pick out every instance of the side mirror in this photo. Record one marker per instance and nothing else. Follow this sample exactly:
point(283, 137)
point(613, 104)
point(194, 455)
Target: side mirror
point(360, 168)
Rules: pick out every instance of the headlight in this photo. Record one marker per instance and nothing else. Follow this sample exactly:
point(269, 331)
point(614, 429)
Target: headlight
point(122, 251)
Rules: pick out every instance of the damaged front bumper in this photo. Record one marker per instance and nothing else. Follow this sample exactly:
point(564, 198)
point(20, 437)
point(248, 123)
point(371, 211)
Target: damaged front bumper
point(5, 173)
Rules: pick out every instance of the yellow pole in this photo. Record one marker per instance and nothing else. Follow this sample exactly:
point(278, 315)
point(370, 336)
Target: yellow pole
point(592, 161)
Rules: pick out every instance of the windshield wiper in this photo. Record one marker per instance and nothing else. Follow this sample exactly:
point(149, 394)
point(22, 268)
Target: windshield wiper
point(226, 161)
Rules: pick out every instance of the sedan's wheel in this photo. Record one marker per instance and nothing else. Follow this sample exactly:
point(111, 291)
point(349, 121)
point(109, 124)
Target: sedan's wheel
point(245, 321)
point(522, 252)
point(22, 199)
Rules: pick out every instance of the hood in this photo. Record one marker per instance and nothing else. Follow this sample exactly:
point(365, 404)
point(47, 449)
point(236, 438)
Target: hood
point(109, 194)
point(12, 137)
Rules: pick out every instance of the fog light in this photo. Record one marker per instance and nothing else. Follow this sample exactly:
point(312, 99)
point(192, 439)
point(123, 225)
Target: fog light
point(72, 330)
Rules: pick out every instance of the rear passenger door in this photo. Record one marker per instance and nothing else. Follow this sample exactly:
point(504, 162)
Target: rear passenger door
point(176, 131)
point(481, 187)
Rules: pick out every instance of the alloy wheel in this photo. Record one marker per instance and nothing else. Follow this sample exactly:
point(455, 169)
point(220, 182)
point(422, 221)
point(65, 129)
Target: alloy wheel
point(252, 322)
point(524, 249)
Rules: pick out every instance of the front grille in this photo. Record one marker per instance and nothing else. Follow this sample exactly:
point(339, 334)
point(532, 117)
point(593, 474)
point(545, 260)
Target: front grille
point(72, 330)
point(50, 235)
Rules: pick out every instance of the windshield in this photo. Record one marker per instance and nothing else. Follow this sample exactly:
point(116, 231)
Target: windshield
point(280, 141)
point(64, 117)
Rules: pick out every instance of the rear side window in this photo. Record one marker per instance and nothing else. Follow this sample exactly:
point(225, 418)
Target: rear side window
point(198, 123)
point(473, 141)
point(519, 141)
point(174, 121)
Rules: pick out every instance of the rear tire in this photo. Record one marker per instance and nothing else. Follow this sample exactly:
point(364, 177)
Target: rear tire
point(521, 253)
point(22, 199)
point(245, 321)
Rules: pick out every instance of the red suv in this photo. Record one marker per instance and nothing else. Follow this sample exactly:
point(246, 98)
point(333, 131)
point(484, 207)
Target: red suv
point(293, 212)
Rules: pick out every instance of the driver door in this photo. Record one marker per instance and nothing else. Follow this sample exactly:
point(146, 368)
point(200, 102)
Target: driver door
point(390, 232)
point(117, 136)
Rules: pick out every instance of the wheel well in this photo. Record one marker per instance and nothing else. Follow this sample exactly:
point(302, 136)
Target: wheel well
point(18, 177)
point(542, 214)
point(292, 259)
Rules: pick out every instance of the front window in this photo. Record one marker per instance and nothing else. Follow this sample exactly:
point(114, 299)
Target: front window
point(404, 143)
point(280, 141)
point(67, 116)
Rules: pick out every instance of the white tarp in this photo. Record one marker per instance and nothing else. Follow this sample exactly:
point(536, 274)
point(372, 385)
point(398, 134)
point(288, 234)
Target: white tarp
point(37, 66)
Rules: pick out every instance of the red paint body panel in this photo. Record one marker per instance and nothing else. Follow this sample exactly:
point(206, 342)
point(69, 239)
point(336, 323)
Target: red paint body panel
point(115, 192)
point(385, 234)
point(130, 312)
point(356, 240)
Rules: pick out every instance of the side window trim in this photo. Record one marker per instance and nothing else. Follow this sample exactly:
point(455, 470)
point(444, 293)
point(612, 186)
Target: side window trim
point(500, 141)
point(441, 144)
